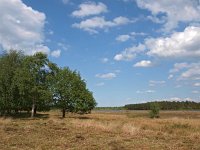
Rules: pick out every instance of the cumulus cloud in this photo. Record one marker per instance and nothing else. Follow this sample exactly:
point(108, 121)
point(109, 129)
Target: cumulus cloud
point(172, 12)
point(56, 53)
point(21, 27)
point(129, 53)
point(90, 8)
point(156, 83)
point(144, 63)
point(92, 25)
point(123, 38)
point(106, 76)
point(178, 67)
point(179, 45)
point(126, 37)
point(186, 71)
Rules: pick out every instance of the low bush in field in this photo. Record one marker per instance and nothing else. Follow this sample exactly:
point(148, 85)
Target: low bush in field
point(154, 110)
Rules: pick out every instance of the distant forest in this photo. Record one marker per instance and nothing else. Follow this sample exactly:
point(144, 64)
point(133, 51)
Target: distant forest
point(166, 105)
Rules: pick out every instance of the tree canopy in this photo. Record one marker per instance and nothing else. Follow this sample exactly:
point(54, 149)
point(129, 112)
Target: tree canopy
point(31, 83)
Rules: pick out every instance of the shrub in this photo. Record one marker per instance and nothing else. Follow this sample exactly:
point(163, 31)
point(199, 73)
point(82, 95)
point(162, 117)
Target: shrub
point(154, 110)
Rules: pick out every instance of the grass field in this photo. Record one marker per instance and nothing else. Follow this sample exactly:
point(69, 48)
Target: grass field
point(102, 130)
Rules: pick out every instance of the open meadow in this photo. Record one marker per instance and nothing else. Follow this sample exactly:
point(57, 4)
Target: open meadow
point(103, 130)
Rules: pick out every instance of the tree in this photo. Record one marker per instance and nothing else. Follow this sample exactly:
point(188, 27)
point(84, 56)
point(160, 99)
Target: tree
point(9, 95)
point(32, 82)
point(71, 93)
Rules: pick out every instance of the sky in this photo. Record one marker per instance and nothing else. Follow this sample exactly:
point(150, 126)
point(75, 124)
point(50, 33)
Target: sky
point(128, 51)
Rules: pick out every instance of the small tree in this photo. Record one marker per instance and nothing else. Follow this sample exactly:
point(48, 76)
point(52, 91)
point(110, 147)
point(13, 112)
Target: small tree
point(154, 110)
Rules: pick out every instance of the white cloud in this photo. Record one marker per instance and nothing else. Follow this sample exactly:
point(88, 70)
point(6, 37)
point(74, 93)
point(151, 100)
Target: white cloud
point(121, 20)
point(172, 12)
point(123, 38)
point(147, 91)
point(138, 34)
point(63, 46)
point(144, 63)
point(50, 32)
point(65, 1)
point(178, 99)
point(156, 83)
point(126, 37)
point(125, 55)
point(129, 53)
point(178, 67)
point(156, 19)
point(56, 53)
point(100, 84)
point(193, 72)
point(21, 27)
point(170, 76)
point(186, 71)
point(139, 92)
point(195, 92)
point(197, 84)
point(117, 71)
point(178, 86)
point(90, 8)
point(179, 45)
point(150, 91)
point(106, 76)
point(93, 24)
point(104, 60)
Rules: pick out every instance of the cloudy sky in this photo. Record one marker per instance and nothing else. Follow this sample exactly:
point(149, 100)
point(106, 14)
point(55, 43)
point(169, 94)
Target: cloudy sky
point(128, 51)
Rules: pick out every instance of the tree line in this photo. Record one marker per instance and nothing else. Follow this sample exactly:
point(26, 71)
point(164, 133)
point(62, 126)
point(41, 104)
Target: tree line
point(34, 83)
point(166, 105)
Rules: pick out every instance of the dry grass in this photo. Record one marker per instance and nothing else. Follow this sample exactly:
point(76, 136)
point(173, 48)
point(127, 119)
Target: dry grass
point(103, 130)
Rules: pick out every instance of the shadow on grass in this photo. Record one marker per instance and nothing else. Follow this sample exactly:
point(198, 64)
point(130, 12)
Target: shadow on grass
point(25, 115)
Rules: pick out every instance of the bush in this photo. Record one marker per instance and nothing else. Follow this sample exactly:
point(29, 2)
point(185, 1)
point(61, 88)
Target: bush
point(154, 110)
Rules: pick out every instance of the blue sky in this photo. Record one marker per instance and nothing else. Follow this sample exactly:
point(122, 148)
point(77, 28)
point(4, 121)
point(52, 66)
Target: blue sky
point(128, 51)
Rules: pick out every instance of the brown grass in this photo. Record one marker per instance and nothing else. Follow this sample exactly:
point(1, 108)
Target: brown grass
point(103, 130)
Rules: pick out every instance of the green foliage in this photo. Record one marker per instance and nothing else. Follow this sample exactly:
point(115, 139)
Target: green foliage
point(34, 83)
point(110, 108)
point(71, 94)
point(154, 110)
point(9, 95)
point(31, 79)
point(166, 105)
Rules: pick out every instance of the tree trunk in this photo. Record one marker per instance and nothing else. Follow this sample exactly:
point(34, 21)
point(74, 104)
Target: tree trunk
point(33, 109)
point(63, 113)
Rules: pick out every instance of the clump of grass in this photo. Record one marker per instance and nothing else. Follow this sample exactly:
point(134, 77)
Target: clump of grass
point(180, 126)
point(130, 129)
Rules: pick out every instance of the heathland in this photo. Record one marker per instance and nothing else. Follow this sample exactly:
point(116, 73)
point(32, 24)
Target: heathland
point(102, 130)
